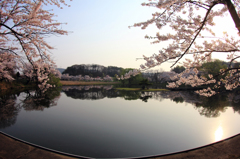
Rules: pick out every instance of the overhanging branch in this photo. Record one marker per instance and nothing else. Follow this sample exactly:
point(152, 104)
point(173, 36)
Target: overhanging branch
point(200, 29)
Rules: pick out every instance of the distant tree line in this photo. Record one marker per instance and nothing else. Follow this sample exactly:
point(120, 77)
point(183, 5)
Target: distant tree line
point(93, 70)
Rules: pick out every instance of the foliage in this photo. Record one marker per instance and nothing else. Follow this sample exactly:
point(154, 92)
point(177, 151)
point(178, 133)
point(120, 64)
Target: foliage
point(178, 69)
point(160, 78)
point(213, 68)
point(54, 81)
point(23, 27)
point(144, 83)
point(190, 24)
point(94, 69)
point(130, 76)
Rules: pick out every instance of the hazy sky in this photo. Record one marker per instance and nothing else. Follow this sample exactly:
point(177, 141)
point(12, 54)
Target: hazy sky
point(99, 34)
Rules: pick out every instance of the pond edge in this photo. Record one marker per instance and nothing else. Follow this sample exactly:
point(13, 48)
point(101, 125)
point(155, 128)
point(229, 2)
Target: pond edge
point(140, 157)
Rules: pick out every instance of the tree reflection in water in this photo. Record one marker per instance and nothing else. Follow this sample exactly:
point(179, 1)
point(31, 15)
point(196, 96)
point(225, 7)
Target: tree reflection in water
point(209, 107)
point(144, 97)
point(90, 92)
point(213, 106)
point(35, 100)
point(8, 111)
point(100, 92)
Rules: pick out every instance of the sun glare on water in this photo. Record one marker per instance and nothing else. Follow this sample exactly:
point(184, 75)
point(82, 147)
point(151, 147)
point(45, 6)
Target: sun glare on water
point(218, 134)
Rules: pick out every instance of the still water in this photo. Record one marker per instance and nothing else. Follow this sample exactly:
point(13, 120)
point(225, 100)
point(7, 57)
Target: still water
point(100, 122)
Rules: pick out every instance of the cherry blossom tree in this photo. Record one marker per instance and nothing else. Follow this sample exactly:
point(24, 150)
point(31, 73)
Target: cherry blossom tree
point(24, 25)
point(191, 33)
point(108, 78)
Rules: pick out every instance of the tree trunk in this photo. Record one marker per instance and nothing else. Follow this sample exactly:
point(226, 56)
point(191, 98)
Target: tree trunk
point(234, 14)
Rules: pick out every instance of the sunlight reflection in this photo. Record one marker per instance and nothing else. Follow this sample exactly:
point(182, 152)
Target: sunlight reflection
point(218, 133)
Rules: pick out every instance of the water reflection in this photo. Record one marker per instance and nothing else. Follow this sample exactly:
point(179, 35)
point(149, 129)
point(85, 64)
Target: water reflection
point(90, 92)
point(144, 97)
point(215, 105)
point(209, 107)
point(219, 133)
point(32, 100)
point(8, 111)
point(36, 100)
point(127, 123)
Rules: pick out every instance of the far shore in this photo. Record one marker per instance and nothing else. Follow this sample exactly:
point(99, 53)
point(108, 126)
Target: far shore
point(139, 89)
point(80, 83)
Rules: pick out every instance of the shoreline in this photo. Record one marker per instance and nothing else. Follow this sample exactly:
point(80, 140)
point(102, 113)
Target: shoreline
point(80, 83)
point(139, 89)
point(12, 147)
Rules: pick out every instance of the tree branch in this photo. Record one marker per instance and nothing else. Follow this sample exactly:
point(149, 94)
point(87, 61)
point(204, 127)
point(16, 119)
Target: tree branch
point(200, 29)
point(233, 14)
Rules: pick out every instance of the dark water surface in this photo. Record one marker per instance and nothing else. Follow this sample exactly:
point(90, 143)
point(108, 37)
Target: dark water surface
point(101, 122)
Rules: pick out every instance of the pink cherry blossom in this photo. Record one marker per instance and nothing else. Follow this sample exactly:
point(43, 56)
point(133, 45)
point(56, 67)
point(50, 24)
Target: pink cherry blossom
point(190, 33)
point(24, 25)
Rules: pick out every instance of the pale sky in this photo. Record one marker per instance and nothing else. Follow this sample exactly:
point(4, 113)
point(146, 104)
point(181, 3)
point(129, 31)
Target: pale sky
point(99, 34)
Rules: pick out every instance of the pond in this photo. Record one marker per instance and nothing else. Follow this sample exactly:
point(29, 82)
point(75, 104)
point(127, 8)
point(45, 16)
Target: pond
point(100, 122)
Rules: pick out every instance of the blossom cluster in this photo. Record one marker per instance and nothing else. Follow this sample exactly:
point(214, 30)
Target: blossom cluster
point(191, 33)
point(67, 88)
point(39, 72)
point(232, 80)
point(85, 78)
point(194, 79)
point(128, 74)
point(23, 28)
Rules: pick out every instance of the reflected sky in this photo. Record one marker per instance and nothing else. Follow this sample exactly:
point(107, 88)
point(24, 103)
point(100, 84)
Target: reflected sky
point(219, 133)
point(112, 127)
